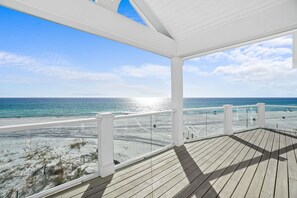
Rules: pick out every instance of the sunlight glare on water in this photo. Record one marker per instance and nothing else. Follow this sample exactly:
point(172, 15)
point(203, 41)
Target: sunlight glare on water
point(150, 103)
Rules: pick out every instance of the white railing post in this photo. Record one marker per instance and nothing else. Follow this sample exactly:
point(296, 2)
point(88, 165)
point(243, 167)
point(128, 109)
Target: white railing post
point(228, 119)
point(261, 115)
point(105, 144)
point(177, 100)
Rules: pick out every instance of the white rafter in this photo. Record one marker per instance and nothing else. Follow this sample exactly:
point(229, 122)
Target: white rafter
point(111, 5)
point(149, 17)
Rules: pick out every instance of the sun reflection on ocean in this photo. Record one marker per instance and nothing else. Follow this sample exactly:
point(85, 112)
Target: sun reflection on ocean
point(145, 104)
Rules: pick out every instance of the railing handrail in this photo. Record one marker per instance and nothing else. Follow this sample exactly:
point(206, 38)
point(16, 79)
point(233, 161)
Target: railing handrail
point(21, 127)
point(142, 114)
point(219, 107)
point(286, 106)
point(244, 106)
point(202, 108)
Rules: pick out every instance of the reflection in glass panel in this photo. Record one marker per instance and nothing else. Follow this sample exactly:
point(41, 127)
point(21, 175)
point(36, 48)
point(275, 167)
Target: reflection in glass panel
point(244, 118)
point(199, 123)
point(140, 135)
point(284, 118)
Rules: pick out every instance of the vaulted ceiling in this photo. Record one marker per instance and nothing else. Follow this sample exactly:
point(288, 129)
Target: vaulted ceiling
point(184, 28)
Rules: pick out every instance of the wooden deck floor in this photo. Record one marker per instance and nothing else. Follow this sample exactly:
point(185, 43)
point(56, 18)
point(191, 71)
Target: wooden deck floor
point(256, 163)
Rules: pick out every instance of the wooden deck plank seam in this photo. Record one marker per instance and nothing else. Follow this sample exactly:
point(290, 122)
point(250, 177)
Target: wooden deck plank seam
point(236, 176)
point(241, 190)
point(182, 193)
point(208, 146)
point(208, 156)
point(199, 189)
point(139, 170)
point(219, 139)
point(263, 159)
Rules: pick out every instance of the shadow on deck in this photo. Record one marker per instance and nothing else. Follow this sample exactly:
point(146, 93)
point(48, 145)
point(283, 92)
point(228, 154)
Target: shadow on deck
point(255, 163)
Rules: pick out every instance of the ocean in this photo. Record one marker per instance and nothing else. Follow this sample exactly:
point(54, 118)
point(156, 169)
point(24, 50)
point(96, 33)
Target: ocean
point(67, 107)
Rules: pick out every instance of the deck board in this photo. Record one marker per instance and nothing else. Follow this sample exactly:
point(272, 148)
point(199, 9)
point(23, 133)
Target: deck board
point(118, 190)
point(196, 172)
point(268, 187)
point(198, 165)
point(158, 183)
point(216, 175)
point(281, 189)
point(215, 171)
point(254, 163)
point(137, 169)
point(222, 180)
point(292, 170)
point(257, 182)
point(199, 181)
point(236, 177)
point(247, 178)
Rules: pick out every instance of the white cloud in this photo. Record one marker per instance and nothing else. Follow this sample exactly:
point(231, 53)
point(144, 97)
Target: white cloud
point(51, 69)
point(266, 65)
point(147, 70)
point(77, 82)
point(261, 71)
point(195, 70)
point(274, 47)
point(282, 41)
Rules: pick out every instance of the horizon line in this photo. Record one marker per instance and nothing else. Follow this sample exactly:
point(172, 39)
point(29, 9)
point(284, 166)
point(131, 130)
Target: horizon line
point(118, 97)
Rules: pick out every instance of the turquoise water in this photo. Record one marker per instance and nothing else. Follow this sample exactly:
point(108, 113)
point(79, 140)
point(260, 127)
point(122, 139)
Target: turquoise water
point(56, 107)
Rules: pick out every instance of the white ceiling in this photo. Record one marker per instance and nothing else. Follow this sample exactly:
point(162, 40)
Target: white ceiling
point(184, 19)
point(177, 28)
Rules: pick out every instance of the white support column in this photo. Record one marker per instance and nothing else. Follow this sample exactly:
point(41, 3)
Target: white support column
point(294, 50)
point(177, 100)
point(105, 144)
point(228, 119)
point(261, 115)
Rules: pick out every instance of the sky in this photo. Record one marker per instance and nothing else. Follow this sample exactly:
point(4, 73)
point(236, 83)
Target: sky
point(39, 58)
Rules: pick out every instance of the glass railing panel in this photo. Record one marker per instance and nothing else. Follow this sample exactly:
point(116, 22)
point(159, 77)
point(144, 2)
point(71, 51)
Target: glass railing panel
point(39, 159)
point(132, 137)
point(195, 124)
point(281, 117)
point(140, 135)
point(162, 130)
point(215, 121)
point(200, 123)
point(245, 118)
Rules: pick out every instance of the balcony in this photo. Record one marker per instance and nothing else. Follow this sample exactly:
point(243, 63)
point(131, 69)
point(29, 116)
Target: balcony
point(228, 151)
point(224, 151)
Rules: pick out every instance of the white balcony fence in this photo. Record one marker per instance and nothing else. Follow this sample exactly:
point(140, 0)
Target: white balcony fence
point(44, 158)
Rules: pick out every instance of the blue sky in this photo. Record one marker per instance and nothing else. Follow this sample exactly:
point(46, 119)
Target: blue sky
point(40, 59)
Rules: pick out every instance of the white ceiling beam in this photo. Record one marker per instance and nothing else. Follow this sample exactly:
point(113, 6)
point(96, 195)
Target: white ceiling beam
point(149, 17)
point(272, 21)
point(112, 5)
point(92, 18)
point(294, 49)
